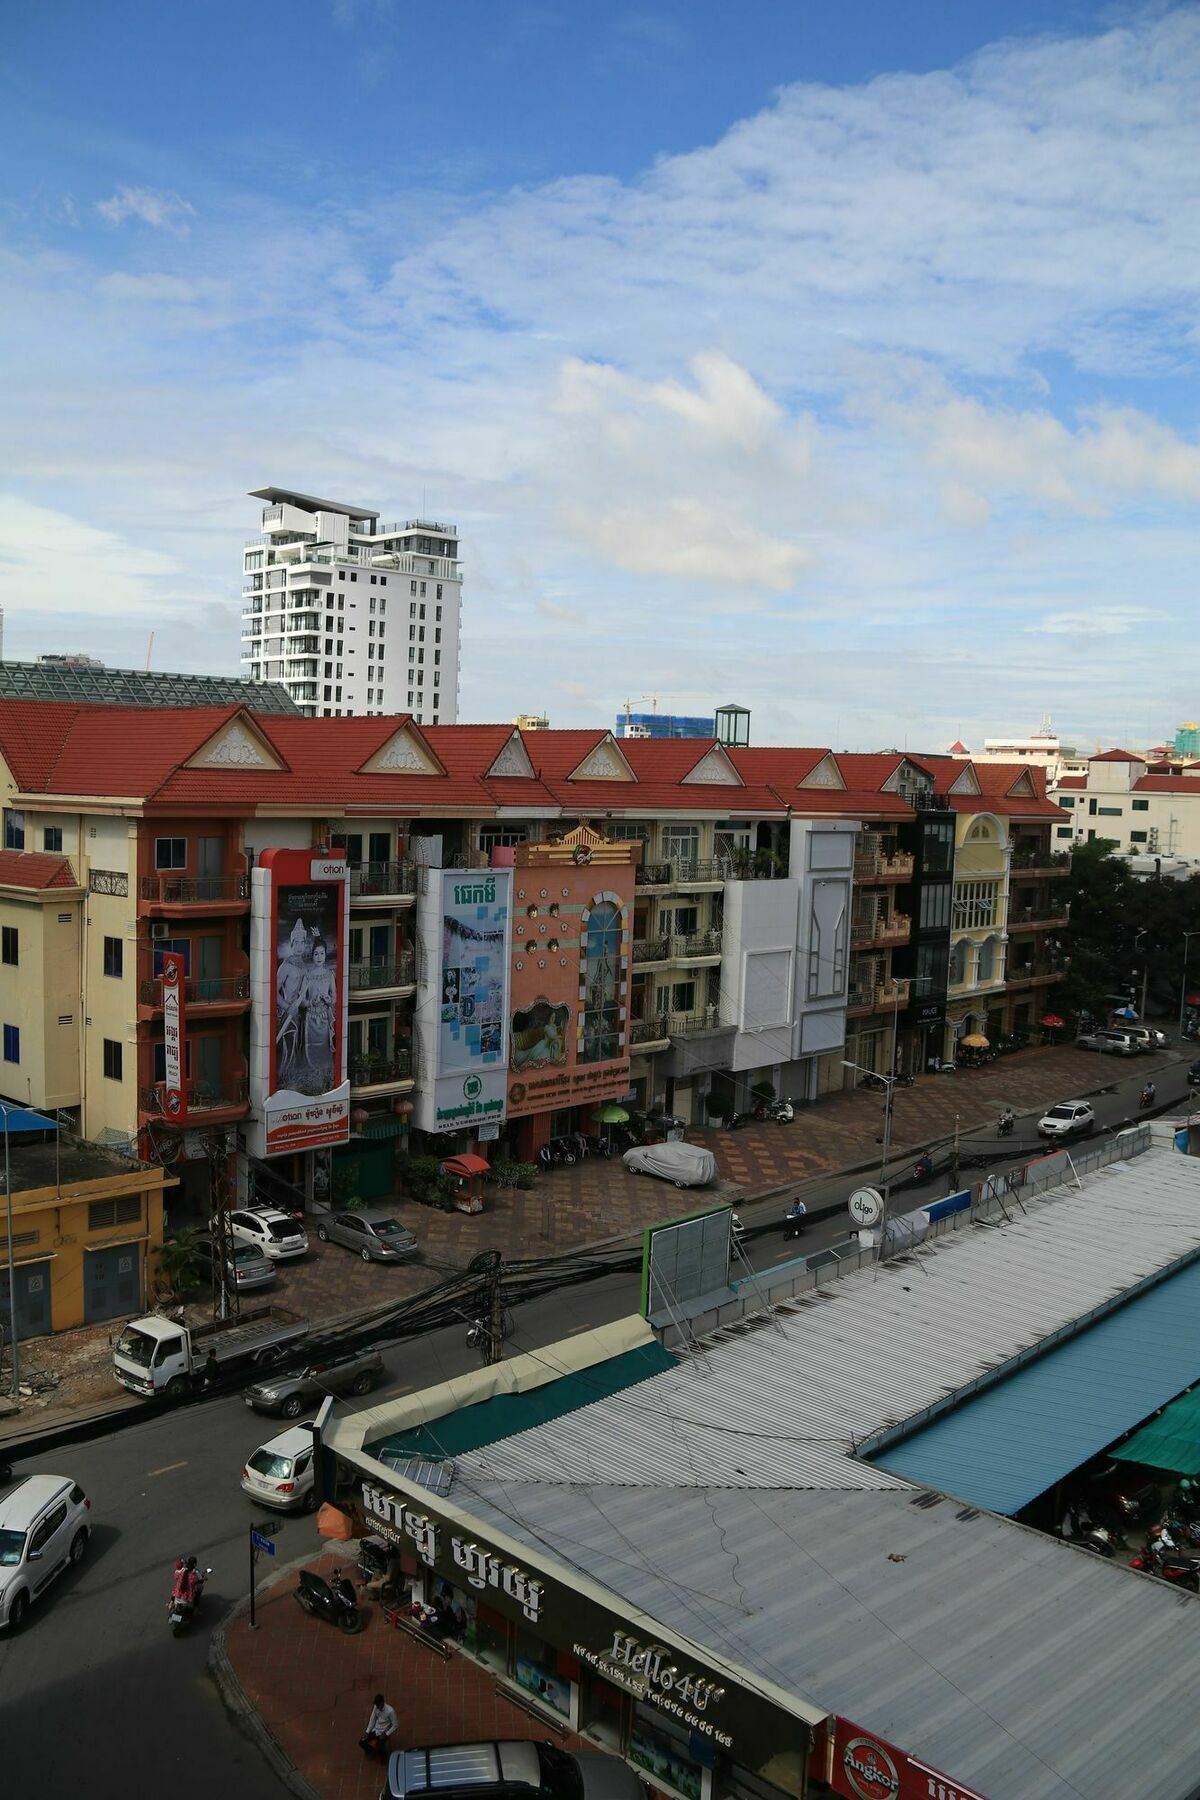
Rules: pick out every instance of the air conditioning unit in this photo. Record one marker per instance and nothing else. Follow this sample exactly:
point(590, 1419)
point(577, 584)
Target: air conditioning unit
point(159, 928)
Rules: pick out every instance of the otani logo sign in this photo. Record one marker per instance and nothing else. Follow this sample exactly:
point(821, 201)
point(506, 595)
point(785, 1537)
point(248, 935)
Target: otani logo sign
point(869, 1770)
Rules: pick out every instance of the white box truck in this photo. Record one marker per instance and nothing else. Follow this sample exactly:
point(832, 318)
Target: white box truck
point(157, 1355)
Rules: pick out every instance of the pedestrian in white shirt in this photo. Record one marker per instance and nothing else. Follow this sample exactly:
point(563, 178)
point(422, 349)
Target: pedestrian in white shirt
point(380, 1726)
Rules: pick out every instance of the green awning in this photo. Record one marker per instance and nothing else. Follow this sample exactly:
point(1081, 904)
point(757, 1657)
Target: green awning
point(1172, 1441)
point(383, 1125)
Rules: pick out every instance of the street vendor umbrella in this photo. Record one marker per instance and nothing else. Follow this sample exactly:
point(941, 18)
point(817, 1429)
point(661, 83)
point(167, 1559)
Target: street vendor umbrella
point(974, 1040)
point(611, 1115)
point(465, 1165)
point(1052, 1022)
point(1192, 999)
point(1125, 1012)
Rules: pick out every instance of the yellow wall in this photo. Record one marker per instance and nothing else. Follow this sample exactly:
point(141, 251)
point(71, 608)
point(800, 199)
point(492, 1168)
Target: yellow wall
point(111, 1003)
point(981, 859)
point(41, 990)
point(61, 1221)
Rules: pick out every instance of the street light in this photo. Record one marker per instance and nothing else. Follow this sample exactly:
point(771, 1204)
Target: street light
point(1187, 938)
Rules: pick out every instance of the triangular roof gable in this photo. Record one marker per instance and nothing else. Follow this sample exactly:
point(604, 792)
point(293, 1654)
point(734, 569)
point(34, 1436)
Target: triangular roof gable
point(605, 761)
point(825, 774)
point(240, 743)
point(1024, 784)
point(403, 752)
point(967, 782)
point(513, 760)
point(901, 775)
point(715, 768)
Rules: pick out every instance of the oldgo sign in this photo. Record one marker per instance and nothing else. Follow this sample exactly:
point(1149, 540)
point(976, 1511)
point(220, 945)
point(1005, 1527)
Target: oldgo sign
point(670, 1677)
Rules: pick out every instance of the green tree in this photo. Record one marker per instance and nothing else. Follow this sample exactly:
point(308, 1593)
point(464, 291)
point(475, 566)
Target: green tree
point(176, 1271)
point(1126, 934)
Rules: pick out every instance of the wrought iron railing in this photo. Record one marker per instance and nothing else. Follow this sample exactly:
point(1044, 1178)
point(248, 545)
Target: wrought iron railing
point(383, 972)
point(202, 1096)
point(688, 1024)
point(376, 1068)
point(194, 890)
point(649, 950)
point(200, 990)
point(1059, 861)
point(649, 1031)
point(696, 944)
point(109, 881)
point(657, 874)
point(371, 878)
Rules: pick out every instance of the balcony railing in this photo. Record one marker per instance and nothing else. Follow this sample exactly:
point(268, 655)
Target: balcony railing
point(893, 928)
point(651, 950)
point(1054, 862)
point(697, 944)
point(377, 1068)
point(194, 890)
point(383, 972)
point(371, 878)
point(649, 1031)
point(202, 1097)
point(200, 990)
point(687, 869)
point(871, 864)
point(689, 1024)
point(654, 874)
point(1040, 917)
point(880, 994)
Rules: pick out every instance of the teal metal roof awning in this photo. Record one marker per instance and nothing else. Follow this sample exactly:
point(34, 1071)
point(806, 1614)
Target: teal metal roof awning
point(1012, 1442)
point(476, 1426)
point(1172, 1441)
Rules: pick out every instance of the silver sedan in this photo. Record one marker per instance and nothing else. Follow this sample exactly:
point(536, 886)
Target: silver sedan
point(372, 1232)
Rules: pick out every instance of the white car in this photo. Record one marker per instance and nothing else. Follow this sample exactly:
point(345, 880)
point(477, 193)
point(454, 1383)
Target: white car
point(280, 1472)
point(1067, 1118)
point(44, 1529)
point(687, 1165)
point(277, 1234)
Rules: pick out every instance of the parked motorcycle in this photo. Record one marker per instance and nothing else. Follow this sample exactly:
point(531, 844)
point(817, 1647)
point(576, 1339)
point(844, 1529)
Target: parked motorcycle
point(558, 1151)
point(479, 1331)
point(333, 1600)
point(181, 1612)
point(781, 1111)
point(1181, 1571)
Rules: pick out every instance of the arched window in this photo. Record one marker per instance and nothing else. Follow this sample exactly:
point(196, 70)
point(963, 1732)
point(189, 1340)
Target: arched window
point(958, 962)
point(601, 1037)
point(986, 968)
point(984, 831)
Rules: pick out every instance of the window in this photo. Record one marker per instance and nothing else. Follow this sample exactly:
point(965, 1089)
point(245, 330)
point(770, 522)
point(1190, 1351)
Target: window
point(683, 996)
point(125, 1210)
point(353, 575)
point(600, 974)
point(412, 588)
point(680, 843)
point(439, 590)
point(114, 956)
point(14, 828)
point(1138, 806)
point(938, 850)
point(1138, 837)
point(341, 577)
point(112, 1059)
point(935, 906)
point(931, 969)
point(958, 962)
point(1069, 800)
point(8, 946)
point(975, 904)
point(12, 1043)
point(422, 588)
point(52, 837)
point(1092, 805)
point(687, 921)
point(372, 600)
point(437, 612)
point(1066, 831)
point(170, 853)
point(1111, 812)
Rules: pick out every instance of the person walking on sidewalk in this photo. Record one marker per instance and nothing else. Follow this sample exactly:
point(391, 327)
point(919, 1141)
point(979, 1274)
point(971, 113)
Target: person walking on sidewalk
point(380, 1726)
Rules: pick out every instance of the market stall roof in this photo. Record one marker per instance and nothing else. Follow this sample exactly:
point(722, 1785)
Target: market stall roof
point(1009, 1444)
point(1172, 1441)
point(465, 1165)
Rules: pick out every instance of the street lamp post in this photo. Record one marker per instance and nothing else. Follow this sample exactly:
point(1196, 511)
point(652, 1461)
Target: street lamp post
point(1187, 938)
point(889, 1082)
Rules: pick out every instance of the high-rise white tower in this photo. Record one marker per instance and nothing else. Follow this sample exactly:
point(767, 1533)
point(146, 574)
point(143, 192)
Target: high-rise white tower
point(352, 616)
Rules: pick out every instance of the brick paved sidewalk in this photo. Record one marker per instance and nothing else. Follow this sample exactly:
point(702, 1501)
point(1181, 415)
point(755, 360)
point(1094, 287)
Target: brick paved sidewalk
point(312, 1688)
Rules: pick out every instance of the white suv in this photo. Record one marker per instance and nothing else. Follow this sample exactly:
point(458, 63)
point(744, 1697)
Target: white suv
point(277, 1234)
point(44, 1526)
point(1065, 1119)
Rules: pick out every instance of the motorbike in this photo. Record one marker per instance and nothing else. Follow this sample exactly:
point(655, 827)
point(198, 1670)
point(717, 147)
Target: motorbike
point(479, 1331)
point(737, 1231)
point(1146, 1097)
point(793, 1224)
point(781, 1111)
point(1169, 1565)
point(180, 1612)
point(1108, 1489)
point(922, 1169)
point(333, 1600)
point(558, 1150)
point(1004, 1125)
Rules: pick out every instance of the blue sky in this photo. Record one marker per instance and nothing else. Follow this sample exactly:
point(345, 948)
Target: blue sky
point(840, 361)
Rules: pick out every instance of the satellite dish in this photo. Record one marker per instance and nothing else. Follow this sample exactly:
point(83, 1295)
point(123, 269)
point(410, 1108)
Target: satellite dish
point(865, 1206)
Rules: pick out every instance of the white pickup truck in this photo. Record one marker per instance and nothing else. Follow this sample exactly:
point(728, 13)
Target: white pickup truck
point(156, 1355)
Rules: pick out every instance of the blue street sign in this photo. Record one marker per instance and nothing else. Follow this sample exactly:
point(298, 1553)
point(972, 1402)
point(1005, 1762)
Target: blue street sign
point(262, 1543)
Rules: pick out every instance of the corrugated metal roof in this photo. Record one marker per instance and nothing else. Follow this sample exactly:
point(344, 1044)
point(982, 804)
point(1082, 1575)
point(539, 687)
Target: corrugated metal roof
point(1007, 1446)
point(1172, 1441)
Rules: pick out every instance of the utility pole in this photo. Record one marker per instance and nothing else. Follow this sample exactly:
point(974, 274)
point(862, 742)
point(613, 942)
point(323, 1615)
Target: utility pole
point(226, 1301)
point(1187, 938)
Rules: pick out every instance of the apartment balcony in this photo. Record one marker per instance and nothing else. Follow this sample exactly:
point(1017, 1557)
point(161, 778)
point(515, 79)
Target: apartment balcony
point(894, 928)
point(394, 883)
point(381, 1073)
point(1042, 917)
point(873, 865)
point(877, 997)
point(699, 872)
point(694, 1024)
point(654, 875)
point(197, 894)
point(1042, 862)
point(1039, 973)
point(221, 1104)
point(380, 977)
point(648, 1035)
point(698, 947)
point(648, 951)
point(214, 995)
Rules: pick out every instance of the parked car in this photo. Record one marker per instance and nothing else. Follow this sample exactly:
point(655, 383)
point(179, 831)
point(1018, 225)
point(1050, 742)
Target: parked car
point(508, 1771)
point(1066, 1119)
point(1194, 1073)
point(278, 1235)
point(289, 1394)
point(1148, 1037)
point(1116, 1043)
point(44, 1528)
point(251, 1269)
point(372, 1232)
point(687, 1165)
point(280, 1472)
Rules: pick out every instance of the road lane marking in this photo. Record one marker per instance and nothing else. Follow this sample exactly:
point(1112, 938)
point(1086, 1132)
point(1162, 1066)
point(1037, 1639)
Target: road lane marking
point(167, 1467)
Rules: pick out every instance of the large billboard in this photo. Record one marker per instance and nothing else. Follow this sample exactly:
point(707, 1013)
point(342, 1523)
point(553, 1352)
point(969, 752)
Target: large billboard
point(299, 938)
point(571, 946)
point(463, 923)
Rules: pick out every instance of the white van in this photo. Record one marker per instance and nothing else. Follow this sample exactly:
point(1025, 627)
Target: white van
point(44, 1527)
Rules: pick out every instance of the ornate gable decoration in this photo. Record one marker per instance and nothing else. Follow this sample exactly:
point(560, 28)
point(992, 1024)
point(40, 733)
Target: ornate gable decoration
point(238, 744)
point(966, 783)
point(404, 753)
point(513, 760)
point(826, 774)
point(1024, 784)
point(716, 769)
point(606, 762)
point(580, 848)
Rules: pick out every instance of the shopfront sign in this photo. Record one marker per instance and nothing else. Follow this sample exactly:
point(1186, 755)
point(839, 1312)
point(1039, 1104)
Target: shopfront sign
point(462, 930)
point(174, 1053)
point(483, 1567)
point(866, 1767)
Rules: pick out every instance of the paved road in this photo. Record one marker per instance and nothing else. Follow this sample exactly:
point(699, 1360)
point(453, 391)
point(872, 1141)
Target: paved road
point(97, 1698)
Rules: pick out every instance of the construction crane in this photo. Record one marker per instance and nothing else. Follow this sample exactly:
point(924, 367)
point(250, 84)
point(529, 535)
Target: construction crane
point(653, 699)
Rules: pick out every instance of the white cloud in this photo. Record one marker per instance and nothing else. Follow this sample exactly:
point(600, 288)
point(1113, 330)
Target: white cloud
point(1098, 621)
point(152, 206)
point(686, 538)
point(53, 563)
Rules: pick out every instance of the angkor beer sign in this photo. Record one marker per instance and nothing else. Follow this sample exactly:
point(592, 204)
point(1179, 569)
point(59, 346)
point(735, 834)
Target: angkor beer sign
point(867, 1767)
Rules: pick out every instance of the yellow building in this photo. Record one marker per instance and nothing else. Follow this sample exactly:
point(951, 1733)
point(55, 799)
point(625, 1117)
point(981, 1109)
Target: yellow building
point(87, 1226)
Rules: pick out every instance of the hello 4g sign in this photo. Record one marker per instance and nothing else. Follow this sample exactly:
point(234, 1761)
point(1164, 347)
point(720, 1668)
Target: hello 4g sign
point(866, 1767)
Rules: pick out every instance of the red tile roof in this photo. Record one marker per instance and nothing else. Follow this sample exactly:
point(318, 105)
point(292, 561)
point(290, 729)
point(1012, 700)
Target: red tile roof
point(1072, 781)
point(34, 869)
point(1117, 756)
point(1168, 784)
